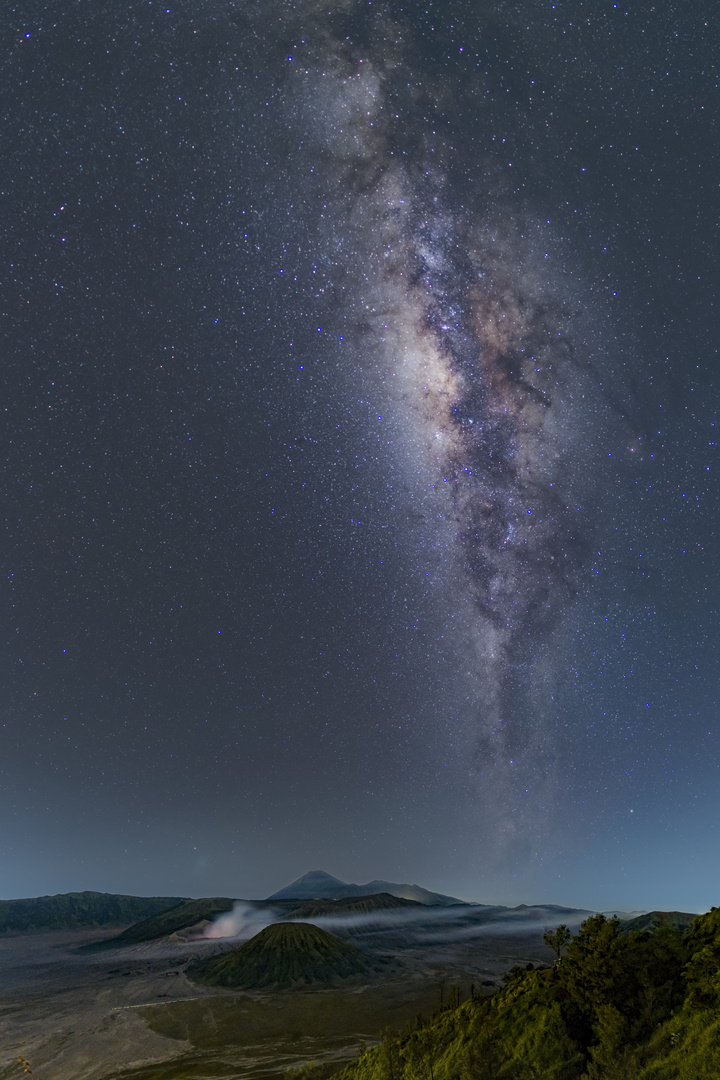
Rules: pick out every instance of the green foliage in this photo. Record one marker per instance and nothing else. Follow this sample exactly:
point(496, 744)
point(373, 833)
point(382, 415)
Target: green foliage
point(312, 1070)
point(557, 939)
point(686, 1047)
point(606, 974)
point(588, 975)
point(611, 1056)
point(389, 1062)
point(643, 1005)
point(703, 967)
point(524, 1036)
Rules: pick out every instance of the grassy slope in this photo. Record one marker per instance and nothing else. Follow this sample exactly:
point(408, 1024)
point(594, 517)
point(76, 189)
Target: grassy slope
point(639, 1007)
point(483, 1038)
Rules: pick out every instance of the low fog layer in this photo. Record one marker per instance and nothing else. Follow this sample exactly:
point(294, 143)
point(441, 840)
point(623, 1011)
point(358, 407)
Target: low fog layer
point(430, 924)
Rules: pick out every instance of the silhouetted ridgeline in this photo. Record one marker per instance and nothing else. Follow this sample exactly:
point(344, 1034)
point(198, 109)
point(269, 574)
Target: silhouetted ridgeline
point(72, 911)
point(643, 1005)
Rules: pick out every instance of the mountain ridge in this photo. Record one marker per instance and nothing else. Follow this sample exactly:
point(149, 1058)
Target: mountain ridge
point(319, 885)
point(80, 910)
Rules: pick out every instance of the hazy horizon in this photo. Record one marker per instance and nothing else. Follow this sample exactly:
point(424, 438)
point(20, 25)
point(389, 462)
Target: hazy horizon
point(538, 901)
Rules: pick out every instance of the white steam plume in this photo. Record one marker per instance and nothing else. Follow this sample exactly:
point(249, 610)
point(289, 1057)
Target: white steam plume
point(243, 922)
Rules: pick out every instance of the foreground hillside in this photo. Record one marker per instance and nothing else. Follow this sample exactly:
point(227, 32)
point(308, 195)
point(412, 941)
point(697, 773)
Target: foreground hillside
point(638, 1006)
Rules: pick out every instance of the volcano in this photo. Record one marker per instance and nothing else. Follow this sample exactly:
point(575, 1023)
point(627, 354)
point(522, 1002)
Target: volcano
point(284, 955)
point(318, 884)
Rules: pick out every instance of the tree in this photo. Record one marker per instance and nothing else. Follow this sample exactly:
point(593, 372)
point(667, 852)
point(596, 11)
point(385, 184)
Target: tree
point(557, 939)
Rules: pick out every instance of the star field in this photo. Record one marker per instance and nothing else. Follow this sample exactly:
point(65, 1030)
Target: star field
point(360, 395)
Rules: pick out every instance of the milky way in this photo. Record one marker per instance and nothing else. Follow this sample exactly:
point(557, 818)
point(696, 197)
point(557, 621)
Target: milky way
point(464, 306)
point(360, 397)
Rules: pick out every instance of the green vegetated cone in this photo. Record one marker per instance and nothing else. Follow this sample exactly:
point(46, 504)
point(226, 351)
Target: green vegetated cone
point(283, 955)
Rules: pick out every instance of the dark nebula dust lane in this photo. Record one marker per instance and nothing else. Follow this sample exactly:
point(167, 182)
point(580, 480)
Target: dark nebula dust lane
point(466, 311)
point(360, 396)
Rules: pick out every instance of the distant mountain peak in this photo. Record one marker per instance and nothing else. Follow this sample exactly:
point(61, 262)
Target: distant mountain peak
point(318, 884)
point(319, 878)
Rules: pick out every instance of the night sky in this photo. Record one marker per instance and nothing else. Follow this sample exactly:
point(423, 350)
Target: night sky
point(360, 406)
